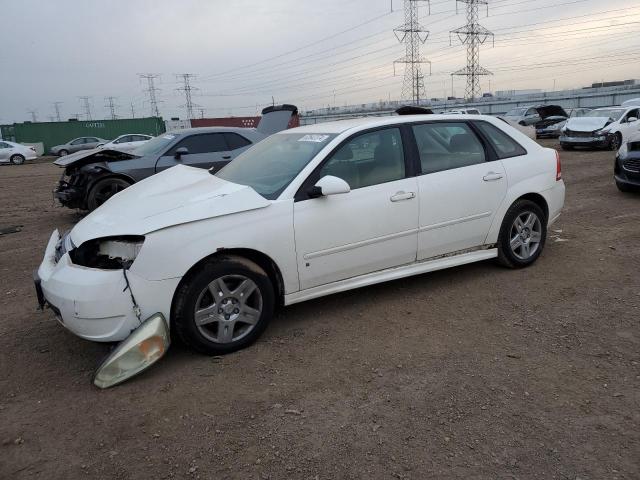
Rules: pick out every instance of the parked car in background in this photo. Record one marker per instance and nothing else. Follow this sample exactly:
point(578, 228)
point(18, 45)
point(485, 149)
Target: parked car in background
point(307, 212)
point(11, 152)
point(527, 130)
point(540, 116)
point(91, 178)
point(608, 127)
point(127, 143)
point(554, 130)
point(77, 144)
point(462, 111)
point(627, 166)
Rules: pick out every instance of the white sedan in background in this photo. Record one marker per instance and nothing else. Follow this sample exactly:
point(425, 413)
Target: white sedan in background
point(305, 213)
point(127, 143)
point(16, 153)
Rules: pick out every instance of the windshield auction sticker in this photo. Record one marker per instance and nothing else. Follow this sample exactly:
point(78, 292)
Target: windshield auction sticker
point(314, 138)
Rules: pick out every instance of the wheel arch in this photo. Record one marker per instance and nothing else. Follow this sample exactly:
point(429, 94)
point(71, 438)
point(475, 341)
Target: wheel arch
point(538, 200)
point(263, 260)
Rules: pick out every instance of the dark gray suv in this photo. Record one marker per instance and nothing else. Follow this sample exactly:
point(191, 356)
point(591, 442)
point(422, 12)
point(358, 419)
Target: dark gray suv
point(90, 178)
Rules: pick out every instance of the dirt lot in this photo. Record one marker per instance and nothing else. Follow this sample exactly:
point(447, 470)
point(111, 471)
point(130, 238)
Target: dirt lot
point(475, 372)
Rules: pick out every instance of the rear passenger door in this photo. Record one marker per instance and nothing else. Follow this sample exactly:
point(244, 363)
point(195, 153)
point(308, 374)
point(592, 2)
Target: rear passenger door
point(204, 150)
point(461, 186)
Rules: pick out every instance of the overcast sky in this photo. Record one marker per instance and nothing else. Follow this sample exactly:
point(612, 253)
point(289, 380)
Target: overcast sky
point(244, 52)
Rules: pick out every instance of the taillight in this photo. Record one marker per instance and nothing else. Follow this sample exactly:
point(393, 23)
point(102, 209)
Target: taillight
point(558, 167)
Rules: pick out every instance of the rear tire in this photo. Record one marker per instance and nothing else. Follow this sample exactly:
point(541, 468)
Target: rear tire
point(17, 159)
point(103, 190)
point(224, 306)
point(522, 235)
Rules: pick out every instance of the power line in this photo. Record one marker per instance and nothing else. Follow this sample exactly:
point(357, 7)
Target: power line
point(187, 89)
point(86, 107)
point(133, 112)
point(472, 35)
point(151, 91)
point(111, 106)
point(412, 34)
point(34, 115)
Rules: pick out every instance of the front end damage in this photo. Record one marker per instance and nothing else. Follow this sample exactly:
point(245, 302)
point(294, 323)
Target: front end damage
point(81, 171)
point(94, 293)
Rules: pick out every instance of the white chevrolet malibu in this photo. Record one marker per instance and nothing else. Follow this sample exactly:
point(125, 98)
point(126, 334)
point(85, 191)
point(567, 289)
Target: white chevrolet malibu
point(307, 212)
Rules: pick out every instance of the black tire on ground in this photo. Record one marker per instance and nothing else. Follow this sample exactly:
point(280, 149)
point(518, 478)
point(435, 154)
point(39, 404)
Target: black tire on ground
point(17, 159)
point(566, 147)
point(62, 153)
point(506, 255)
point(105, 189)
point(623, 187)
point(190, 295)
point(615, 142)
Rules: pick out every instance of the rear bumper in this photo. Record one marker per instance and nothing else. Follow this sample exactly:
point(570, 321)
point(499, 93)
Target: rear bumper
point(95, 304)
point(69, 196)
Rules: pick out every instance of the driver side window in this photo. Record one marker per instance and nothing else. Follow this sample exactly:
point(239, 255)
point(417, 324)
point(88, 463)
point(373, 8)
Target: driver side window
point(368, 159)
point(78, 141)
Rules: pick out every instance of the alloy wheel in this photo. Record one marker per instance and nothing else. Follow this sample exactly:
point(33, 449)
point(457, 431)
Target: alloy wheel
point(228, 308)
point(525, 235)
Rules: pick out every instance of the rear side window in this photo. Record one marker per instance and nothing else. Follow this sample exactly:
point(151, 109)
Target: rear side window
point(503, 144)
point(202, 143)
point(236, 141)
point(447, 145)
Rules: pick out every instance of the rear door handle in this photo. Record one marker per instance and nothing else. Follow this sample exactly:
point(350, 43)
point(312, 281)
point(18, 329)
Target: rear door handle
point(492, 177)
point(226, 157)
point(399, 196)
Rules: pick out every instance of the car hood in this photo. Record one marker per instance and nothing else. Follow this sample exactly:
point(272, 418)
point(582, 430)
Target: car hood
point(100, 154)
point(587, 124)
point(172, 197)
point(546, 111)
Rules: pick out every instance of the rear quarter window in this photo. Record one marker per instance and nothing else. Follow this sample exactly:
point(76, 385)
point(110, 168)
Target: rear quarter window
point(502, 143)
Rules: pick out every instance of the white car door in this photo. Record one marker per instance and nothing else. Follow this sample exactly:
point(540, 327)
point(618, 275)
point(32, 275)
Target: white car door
point(460, 189)
point(629, 128)
point(5, 151)
point(371, 228)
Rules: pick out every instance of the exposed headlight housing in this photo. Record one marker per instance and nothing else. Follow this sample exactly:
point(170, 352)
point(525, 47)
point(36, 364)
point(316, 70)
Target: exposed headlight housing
point(145, 346)
point(109, 253)
point(604, 131)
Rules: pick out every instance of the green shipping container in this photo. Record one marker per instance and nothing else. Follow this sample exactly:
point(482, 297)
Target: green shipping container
point(57, 133)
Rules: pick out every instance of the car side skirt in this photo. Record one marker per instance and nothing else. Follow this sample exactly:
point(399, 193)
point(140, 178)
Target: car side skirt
point(393, 274)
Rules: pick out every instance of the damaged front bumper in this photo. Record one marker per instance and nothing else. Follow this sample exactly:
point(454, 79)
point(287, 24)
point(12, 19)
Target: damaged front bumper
point(95, 304)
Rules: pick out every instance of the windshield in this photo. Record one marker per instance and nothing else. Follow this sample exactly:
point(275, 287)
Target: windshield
point(516, 112)
point(155, 145)
point(612, 113)
point(271, 165)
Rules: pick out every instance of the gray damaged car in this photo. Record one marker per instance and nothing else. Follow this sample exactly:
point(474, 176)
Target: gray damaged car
point(91, 177)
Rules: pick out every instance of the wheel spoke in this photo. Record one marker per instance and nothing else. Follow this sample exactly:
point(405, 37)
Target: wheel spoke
point(244, 290)
point(218, 288)
point(518, 224)
point(525, 250)
point(530, 221)
point(536, 237)
point(249, 315)
point(225, 331)
point(516, 242)
point(206, 315)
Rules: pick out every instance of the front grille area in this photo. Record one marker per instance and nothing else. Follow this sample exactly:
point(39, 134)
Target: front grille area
point(573, 133)
point(632, 164)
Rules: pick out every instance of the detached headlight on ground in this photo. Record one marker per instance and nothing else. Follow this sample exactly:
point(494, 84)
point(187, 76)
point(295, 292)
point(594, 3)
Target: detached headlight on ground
point(145, 346)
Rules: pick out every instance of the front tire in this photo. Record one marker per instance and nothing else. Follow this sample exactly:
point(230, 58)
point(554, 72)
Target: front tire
point(103, 190)
point(615, 142)
point(224, 306)
point(522, 235)
point(17, 159)
point(63, 153)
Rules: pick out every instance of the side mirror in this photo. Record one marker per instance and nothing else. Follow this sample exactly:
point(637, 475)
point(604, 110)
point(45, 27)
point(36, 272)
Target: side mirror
point(329, 185)
point(180, 151)
point(632, 119)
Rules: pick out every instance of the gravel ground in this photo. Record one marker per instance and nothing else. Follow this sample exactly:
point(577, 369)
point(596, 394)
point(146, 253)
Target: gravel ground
point(475, 372)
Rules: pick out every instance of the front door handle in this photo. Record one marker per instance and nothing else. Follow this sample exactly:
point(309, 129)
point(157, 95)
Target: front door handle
point(226, 157)
point(399, 196)
point(492, 177)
